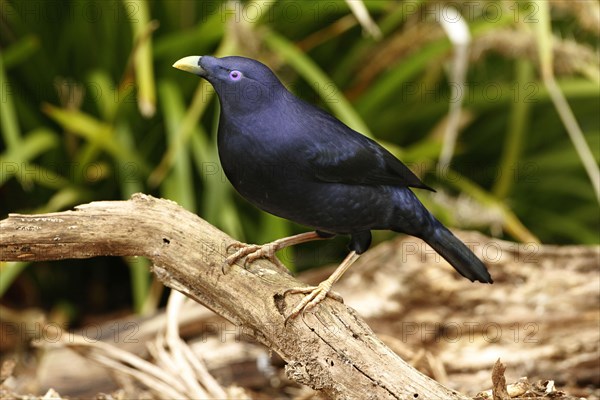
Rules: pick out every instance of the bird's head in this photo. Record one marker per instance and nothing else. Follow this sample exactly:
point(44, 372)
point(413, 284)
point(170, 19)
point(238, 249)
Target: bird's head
point(242, 84)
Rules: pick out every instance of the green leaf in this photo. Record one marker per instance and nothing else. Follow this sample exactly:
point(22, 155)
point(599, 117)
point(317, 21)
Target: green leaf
point(20, 51)
point(15, 161)
point(94, 131)
point(179, 186)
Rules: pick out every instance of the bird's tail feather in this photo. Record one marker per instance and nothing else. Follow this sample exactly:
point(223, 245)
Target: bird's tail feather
point(458, 255)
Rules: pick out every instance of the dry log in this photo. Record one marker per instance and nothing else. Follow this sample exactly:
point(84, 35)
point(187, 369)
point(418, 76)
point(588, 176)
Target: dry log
point(330, 349)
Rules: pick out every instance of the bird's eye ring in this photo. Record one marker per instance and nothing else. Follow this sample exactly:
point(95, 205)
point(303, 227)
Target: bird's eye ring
point(235, 75)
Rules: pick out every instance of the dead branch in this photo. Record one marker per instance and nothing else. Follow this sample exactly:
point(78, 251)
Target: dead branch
point(330, 349)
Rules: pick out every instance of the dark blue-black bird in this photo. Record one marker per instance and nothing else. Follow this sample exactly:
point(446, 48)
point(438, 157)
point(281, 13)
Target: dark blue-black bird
point(294, 160)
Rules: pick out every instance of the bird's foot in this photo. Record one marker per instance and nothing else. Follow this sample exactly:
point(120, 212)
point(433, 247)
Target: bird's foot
point(314, 295)
point(251, 253)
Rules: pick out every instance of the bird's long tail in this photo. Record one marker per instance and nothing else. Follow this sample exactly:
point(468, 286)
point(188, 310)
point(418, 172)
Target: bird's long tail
point(458, 255)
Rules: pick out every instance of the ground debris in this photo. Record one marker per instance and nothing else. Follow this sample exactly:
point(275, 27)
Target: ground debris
point(522, 389)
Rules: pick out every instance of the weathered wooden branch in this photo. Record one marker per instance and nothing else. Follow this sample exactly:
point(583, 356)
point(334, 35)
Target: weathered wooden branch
point(330, 349)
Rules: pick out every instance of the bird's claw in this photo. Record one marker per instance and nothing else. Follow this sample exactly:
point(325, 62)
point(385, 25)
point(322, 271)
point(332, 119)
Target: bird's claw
point(314, 295)
point(251, 253)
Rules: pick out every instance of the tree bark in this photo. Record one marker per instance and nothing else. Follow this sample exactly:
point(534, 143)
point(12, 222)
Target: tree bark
point(330, 348)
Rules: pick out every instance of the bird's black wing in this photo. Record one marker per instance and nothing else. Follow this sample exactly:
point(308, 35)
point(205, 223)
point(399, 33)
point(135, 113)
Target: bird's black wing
point(367, 165)
point(340, 154)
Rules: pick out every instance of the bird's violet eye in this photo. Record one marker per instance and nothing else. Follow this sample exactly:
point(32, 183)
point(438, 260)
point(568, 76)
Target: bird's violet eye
point(235, 75)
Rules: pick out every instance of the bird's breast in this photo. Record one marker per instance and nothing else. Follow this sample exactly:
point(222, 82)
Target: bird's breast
point(256, 168)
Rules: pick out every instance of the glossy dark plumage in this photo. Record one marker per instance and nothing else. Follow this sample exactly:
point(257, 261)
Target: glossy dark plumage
point(294, 160)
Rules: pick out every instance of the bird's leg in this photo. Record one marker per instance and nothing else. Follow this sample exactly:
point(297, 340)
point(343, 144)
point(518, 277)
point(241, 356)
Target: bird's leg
point(253, 252)
point(316, 294)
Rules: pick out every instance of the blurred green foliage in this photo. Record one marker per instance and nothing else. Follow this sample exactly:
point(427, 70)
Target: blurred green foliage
point(92, 110)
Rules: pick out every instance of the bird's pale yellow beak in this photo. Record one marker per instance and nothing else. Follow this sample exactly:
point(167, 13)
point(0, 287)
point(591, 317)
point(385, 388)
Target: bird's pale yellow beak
point(190, 64)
